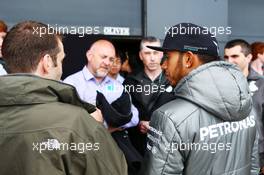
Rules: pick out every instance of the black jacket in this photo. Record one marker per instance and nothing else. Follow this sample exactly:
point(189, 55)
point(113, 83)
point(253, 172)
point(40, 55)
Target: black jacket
point(146, 95)
point(256, 86)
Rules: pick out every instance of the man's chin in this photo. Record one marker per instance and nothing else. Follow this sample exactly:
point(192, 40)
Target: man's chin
point(101, 74)
point(154, 67)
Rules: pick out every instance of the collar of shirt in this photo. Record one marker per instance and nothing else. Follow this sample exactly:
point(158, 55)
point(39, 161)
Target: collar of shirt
point(252, 75)
point(120, 78)
point(111, 88)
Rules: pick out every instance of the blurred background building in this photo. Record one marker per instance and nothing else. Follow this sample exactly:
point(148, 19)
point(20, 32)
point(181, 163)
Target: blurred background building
point(125, 22)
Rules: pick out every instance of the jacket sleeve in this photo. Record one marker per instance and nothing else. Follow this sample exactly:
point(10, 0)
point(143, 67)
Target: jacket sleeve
point(255, 157)
point(258, 100)
point(162, 156)
point(261, 127)
point(101, 156)
point(109, 155)
point(134, 120)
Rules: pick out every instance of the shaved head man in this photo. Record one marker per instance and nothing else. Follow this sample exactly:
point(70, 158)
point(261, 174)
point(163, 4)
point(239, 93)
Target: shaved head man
point(93, 78)
point(100, 57)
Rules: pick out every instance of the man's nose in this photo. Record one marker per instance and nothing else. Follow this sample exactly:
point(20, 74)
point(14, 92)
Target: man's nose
point(153, 56)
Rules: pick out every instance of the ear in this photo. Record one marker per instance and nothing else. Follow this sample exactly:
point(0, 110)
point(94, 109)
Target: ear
point(161, 54)
point(44, 65)
point(188, 59)
point(140, 55)
point(260, 55)
point(164, 64)
point(48, 63)
point(249, 58)
point(89, 55)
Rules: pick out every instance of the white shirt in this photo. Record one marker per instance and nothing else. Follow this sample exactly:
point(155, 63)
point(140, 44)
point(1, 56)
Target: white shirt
point(2, 70)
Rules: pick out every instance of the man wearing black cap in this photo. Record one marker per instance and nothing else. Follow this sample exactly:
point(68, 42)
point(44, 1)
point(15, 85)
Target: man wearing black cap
point(209, 128)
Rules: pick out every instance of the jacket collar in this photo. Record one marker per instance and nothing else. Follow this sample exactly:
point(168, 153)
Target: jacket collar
point(253, 75)
point(27, 89)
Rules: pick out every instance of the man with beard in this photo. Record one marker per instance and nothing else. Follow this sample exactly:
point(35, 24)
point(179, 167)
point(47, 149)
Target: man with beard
point(93, 77)
point(93, 80)
point(212, 107)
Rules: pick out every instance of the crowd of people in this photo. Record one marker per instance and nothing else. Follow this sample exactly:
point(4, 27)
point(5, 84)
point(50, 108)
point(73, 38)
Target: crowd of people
point(188, 111)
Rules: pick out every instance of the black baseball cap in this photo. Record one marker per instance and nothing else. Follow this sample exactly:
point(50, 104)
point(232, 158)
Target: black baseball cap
point(185, 37)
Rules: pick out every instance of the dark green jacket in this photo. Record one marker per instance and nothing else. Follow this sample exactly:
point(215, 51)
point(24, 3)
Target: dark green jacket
point(46, 130)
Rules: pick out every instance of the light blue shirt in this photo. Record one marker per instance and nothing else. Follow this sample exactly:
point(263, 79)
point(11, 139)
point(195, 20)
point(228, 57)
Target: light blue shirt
point(120, 78)
point(86, 86)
